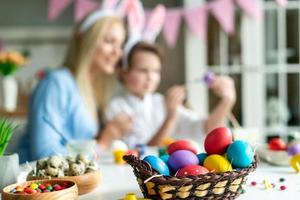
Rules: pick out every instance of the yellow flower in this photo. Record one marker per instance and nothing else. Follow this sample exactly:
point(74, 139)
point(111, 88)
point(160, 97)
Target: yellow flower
point(3, 57)
point(13, 57)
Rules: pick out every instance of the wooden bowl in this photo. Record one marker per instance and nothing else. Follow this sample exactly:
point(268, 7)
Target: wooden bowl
point(85, 183)
point(69, 193)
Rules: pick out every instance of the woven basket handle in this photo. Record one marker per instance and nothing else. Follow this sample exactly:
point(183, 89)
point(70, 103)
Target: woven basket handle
point(139, 165)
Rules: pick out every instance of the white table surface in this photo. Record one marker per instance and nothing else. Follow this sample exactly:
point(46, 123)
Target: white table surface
point(117, 180)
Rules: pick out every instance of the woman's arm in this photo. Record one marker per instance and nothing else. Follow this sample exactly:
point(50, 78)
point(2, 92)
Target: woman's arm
point(47, 120)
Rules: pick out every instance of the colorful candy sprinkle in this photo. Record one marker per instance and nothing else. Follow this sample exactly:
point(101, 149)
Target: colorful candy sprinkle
point(253, 183)
point(282, 187)
point(281, 179)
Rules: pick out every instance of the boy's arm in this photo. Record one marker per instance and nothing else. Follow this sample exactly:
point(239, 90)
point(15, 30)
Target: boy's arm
point(165, 130)
point(174, 98)
point(223, 87)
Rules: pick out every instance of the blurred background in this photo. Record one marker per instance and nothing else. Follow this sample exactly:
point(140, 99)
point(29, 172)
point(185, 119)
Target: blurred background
point(261, 54)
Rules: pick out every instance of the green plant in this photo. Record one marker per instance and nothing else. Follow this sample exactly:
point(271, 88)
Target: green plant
point(6, 131)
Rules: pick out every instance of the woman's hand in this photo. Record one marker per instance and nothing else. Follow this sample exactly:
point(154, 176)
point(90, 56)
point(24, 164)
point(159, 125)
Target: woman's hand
point(118, 127)
point(223, 87)
point(174, 98)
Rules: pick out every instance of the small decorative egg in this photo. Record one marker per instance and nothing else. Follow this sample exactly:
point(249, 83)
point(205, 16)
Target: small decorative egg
point(119, 145)
point(182, 145)
point(132, 152)
point(217, 163)
point(201, 157)
point(277, 144)
point(162, 151)
point(217, 141)
point(167, 141)
point(295, 162)
point(182, 158)
point(293, 150)
point(209, 78)
point(240, 154)
point(141, 148)
point(157, 164)
point(165, 158)
point(191, 170)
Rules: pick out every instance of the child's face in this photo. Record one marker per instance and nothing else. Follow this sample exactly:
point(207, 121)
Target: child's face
point(144, 74)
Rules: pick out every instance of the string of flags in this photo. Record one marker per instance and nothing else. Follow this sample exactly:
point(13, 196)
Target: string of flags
point(196, 18)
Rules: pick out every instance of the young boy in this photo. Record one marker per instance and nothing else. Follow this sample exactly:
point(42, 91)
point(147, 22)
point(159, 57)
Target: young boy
point(156, 117)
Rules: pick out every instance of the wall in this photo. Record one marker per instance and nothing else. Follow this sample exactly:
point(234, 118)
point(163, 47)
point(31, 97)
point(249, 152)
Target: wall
point(24, 25)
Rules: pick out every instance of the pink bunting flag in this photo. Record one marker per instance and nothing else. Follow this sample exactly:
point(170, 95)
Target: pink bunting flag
point(251, 7)
point(171, 26)
point(224, 12)
point(55, 7)
point(282, 3)
point(84, 7)
point(196, 19)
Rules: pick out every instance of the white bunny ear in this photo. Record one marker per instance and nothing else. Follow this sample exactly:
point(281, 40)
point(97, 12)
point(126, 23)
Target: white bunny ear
point(136, 17)
point(109, 4)
point(155, 23)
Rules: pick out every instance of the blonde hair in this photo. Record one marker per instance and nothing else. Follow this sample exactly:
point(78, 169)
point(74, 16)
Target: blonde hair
point(78, 61)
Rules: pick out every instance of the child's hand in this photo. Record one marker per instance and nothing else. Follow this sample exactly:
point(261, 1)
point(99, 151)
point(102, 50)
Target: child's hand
point(223, 87)
point(174, 98)
point(123, 123)
point(119, 126)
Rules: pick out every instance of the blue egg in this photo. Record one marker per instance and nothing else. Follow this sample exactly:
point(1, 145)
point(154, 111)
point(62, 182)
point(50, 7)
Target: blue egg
point(201, 157)
point(240, 154)
point(165, 158)
point(157, 164)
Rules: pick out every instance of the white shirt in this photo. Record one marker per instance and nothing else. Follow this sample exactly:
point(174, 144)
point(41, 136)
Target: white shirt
point(149, 115)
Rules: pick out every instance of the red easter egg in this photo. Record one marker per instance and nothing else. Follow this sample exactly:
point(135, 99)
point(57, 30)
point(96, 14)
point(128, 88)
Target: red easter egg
point(217, 141)
point(277, 144)
point(191, 170)
point(182, 145)
point(132, 152)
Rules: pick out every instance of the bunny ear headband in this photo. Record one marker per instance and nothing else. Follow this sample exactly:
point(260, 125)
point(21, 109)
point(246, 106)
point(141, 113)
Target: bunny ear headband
point(109, 8)
point(138, 29)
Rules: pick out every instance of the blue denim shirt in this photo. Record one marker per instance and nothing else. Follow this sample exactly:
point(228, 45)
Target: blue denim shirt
point(57, 114)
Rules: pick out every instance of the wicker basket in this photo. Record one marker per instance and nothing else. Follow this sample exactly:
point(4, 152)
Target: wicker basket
point(211, 186)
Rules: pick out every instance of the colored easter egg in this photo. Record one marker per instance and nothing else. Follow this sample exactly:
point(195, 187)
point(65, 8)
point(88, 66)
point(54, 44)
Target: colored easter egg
point(217, 163)
point(182, 145)
point(167, 141)
point(277, 144)
point(182, 158)
point(217, 141)
point(132, 152)
point(295, 162)
point(201, 157)
point(162, 151)
point(240, 154)
point(209, 78)
point(119, 145)
point(165, 158)
point(141, 148)
point(192, 170)
point(157, 164)
point(293, 150)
